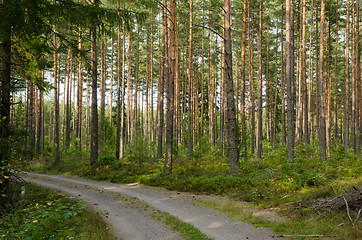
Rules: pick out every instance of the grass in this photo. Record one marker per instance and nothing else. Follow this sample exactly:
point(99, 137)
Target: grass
point(43, 214)
point(270, 182)
point(186, 230)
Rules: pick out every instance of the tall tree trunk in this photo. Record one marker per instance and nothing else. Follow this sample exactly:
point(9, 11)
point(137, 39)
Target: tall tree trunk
point(251, 86)
point(284, 127)
point(40, 131)
point(322, 120)
point(94, 115)
point(111, 89)
point(242, 83)
point(80, 94)
point(202, 81)
point(346, 84)
point(118, 131)
point(170, 88)
point(68, 104)
point(135, 119)
point(122, 135)
point(151, 127)
point(259, 137)
point(5, 103)
point(267, 91)
point(211, 96)
point(335, 100)
point(307, 134)
point(231, 114)
point(274, 126)
point(290, 76)
point(31, 111)
point(129, 95)
point(147, 117)
point(160, 112)
point(103, 92)
point(328, 93)
point(358, 78)
point(190, 144)
point(304, 76)
point(87, 113)
point(56, 103)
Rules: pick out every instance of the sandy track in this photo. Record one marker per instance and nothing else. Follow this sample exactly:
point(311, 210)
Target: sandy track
point(130, 223)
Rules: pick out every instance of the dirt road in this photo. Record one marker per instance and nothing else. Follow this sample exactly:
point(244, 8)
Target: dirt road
point(132, 223)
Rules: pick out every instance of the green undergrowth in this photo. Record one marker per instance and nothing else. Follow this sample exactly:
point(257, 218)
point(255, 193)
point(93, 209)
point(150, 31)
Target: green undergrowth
point(43, 214)
point(269, 181)
point(272, 181)
point(187, 230)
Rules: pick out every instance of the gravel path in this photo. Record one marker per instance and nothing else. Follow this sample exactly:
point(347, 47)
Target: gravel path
point(131, 223)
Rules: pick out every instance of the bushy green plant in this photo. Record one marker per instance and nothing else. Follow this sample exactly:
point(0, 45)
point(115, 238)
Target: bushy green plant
point(138, 151)
point(44, 215)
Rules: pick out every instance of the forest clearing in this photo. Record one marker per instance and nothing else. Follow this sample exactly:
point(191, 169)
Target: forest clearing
point(250, 107)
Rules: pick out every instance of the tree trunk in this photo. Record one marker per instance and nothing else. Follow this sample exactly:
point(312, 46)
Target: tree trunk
point(87, 113)
point(251, 86)
point(160, 112)
point(170, 88)
point(322, 120)
point(135, 114)
point(335, 100)
point(31, 111)
point(103, 93)
point(242, 82)
point(267, 91)
point(231, 115)
point(122, 137)
point(94, 114)
point(111, 89)
point(68, 104)
point(211, 96)
point(304, 77)
point(284, 127)
point(79, 125)
point(358, 78)
point(346, 84)
point(151, 127)
point(40, 131)
point(290, 76)
point(307, 134)
point(190, 90)
point(129, 95)
point(259, 137)
point(56, 103)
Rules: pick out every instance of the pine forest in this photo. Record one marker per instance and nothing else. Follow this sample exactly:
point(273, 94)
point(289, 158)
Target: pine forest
point(155, 90)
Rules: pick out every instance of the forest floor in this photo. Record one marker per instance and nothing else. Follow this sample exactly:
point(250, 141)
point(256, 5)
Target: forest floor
point(134, 210)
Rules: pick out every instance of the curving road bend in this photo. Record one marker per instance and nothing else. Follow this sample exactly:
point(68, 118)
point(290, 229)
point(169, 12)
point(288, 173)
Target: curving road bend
point(132, 224)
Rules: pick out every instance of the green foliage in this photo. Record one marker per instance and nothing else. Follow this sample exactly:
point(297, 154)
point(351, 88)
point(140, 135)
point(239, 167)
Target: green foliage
point(44, 215)
point(138, 151)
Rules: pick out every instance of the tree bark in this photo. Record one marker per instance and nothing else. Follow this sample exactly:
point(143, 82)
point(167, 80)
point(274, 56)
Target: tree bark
point(79, 124)
point(304, 76)
point(346, 84)
point(242, 82)
point(322, 120)
point(259, 129)
point(170, 88)
point(94, 113)
point(160, 113)
point(190, 88)
point(307, 134)
point(290, 76)
point(56, 103)
point(231, 114)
